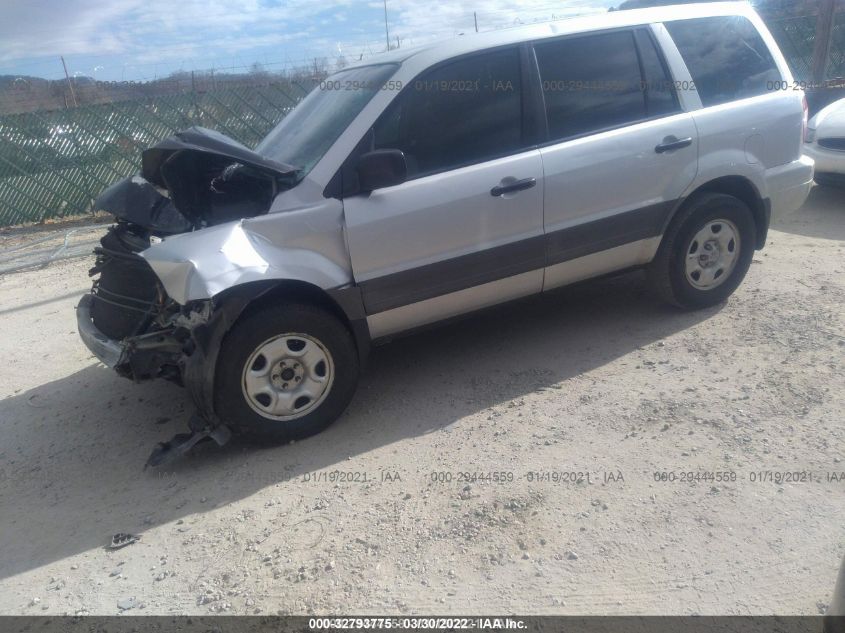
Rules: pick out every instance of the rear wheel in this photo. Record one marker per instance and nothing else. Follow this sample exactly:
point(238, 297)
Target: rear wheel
point(705, 253)
point(285, 372)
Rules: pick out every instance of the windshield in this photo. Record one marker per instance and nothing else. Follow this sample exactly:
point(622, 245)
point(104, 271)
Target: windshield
point(305, 134)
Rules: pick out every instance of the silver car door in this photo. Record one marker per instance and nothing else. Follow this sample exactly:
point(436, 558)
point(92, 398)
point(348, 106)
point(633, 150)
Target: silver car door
point(466, 228)
point(621, 151)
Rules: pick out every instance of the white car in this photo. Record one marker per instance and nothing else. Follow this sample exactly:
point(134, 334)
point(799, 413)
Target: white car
point(825, 144)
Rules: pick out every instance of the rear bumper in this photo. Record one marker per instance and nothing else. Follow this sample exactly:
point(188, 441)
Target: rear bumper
point(789, 185)
point(109, 352)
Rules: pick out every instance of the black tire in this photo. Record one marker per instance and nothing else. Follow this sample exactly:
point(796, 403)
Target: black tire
point(257, 328)
point(667, 272)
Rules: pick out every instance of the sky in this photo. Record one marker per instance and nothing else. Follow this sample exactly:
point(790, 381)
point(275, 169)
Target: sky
point(137, 40)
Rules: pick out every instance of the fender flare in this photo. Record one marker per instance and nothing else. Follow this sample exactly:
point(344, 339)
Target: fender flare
point(740, 187)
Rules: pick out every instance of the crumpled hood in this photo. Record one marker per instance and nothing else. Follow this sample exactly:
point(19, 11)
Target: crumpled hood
point(196, 178)
point(205, 141)
point(137, 201)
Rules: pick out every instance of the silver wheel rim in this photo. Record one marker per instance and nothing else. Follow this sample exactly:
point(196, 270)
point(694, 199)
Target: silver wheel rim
point(287, 376)
point(712, 254)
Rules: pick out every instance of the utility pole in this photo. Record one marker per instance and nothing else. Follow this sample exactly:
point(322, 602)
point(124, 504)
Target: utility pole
point(69, 83)
point(475, 17)
point(824, 32)
point(386, 31)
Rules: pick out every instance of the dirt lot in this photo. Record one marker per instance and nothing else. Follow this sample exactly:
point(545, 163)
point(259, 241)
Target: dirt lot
point(598, 379)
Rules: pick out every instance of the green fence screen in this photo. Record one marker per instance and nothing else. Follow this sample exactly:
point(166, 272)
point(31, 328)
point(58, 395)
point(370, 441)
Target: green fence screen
point(54, 163)
point(796, 38)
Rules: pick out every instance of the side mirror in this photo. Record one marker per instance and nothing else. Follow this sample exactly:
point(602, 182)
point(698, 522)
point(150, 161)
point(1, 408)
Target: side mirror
point(381, 168)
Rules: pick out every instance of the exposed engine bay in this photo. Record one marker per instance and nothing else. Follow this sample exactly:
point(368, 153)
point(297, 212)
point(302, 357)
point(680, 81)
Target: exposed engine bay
point(129, 304)
point(194, 179)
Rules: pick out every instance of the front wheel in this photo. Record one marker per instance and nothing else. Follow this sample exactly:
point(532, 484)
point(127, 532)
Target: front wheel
point(285, 372)
point(705, 253)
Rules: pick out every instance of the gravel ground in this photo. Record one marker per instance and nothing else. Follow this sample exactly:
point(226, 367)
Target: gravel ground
point(597, 379)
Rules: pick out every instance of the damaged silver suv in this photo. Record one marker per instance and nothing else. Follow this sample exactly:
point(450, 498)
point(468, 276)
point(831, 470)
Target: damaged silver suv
point(437, 181)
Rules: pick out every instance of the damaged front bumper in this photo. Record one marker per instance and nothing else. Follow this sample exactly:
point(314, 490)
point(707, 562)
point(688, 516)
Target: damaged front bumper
point(190, 349)
point(108, 351)
point(140, 357)
point(137, 357)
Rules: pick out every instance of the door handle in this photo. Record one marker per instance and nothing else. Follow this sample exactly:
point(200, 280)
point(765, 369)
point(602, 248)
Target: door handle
point(519, 185)
point(670, 143)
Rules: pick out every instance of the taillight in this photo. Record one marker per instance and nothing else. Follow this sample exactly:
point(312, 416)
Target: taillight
point(805, 130)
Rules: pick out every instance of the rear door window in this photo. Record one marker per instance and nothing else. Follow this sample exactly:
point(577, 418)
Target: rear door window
point(590, 83)
point(726, 57)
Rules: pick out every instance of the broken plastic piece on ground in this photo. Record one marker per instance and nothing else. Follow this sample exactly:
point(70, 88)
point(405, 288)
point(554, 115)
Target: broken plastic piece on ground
point(122, 539)
point(183, 442)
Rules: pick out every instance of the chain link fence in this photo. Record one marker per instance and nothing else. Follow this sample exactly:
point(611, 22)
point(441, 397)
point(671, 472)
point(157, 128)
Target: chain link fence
point(836, 66)
point(796, 38)
point(54, 163)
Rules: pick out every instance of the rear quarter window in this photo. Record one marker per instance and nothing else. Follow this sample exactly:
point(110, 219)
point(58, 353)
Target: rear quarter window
point(726, 57)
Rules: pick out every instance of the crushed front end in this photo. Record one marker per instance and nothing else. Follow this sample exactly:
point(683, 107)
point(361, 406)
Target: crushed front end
point(128, 321)
point(131, 325)
point(191, 181)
